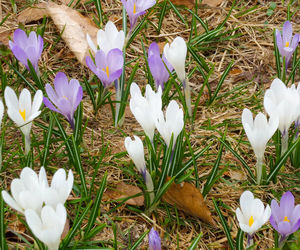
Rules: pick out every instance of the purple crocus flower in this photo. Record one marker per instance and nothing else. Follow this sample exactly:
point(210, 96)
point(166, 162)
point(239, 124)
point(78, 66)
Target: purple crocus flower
point(285, 218)
point(66, 96)
point(157, 65)
point(136, 8)
point(108, 67)
point(27, 48)
point(286, 43)
point(154, 240)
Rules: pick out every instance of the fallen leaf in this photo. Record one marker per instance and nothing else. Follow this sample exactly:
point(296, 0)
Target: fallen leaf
point(188, 198)
point(187, 3)
point(235, 71)
point(4, 37)
point(33, 13)
point(123, 190)
point(212, 3)
point(69, 22)
point(66, 2)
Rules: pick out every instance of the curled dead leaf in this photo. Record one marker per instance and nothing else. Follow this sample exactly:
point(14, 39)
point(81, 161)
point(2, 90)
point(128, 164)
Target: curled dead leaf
point(123, 190)
point(187, 3)
point(33, 13)
point(188, 198)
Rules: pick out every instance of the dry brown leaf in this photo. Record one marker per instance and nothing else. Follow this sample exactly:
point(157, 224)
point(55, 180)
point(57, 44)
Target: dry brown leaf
point(187, 3)
point(66, 2)
point(16, 225)
point(188, 198)
point(70, 22)
point(123, 190)
point(235, 71)
point(34, 13)
point(212, 3)
point(4, 37)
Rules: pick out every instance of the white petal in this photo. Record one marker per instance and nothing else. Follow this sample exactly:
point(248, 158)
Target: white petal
point(245, 201)
point(34, 222)
point(1, 111)
point(10, 201)
point(240, 216)
point(11, 98)
point(91, 43)
point(25, 102)
point(37, 102)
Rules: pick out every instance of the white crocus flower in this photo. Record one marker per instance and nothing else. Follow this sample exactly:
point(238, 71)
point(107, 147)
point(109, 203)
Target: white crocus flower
point(283, 102)
point(259, 132)
point(176, 55)
point(60, 188)
point(27, 191)
point(173, 124)
point(252, 214)
point(136, 153)
point(145, 109)
point(22, 111)
point(49, 225)
point(108, 39)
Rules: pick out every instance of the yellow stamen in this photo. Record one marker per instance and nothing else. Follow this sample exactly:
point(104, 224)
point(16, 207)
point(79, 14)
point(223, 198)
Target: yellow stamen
point(23, 114)
point(107, 71)
point(134, 8)
point(287, 44)
point(251, 221)
point(286, 219)
point(65, 97)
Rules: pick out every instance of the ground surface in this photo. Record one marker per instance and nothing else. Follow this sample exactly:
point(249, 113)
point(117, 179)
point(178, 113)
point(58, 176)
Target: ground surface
point(251, 48)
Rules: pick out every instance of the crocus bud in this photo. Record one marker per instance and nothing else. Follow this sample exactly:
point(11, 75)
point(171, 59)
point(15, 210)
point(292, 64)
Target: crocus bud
point(108, 39)
point(145, 109)
point(154, 240)
point(49, 225)
point(135, 150)
point(285, 217)
point(65, 98)
point(22, 112)
point(172, 124)
point(27, 48)
point(136, 8)
point(27, 191)
point(108, 66)
point(158, 65)
point(252, 214)
point(286, 43)
point(176, 55)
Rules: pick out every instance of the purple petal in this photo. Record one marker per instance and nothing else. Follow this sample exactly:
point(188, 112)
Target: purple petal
point(153, 50)
point(169, 66)
point(273, 222)
point(61, 84)
point(154, 240)
point(287, 204)
point(100, 59)
point(158, 70)
point(75, 92)
point(49, 105)
point(287, 32)
point(51, 94)
point(20, 38)
point(65, 108)
point(40, 46)
point(295, 41)
point(90, 64)
point(296, 226)
point(114, 76)
point(279, 42)
point(32, 56)
point(296, 214)
point(32, 40)
point(276, 211)
point(144, 5)
point(284, 228)
point(20, 55)
point(114, 60)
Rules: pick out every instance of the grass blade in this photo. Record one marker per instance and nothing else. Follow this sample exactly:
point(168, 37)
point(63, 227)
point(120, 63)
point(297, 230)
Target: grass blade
point(195, 242)
point(225, 226)
point(2, 226)
point(240, 240)
point(139, 241)
point(47, 143)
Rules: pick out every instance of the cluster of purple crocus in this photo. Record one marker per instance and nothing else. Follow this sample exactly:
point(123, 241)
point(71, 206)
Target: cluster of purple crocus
point(67, 95)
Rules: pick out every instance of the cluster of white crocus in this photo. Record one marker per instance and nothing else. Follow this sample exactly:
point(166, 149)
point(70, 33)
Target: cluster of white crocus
point(22, 111)
point(148, 112)
point(108, 39)
point(135, 150)
point(42, 205)
point(282, 104)
point(252, 214)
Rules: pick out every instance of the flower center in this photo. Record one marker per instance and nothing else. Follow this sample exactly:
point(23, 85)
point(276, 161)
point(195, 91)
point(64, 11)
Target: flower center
point(134, 8)
point(65, 97)
point(287, 44)
point(23, 114)
point(107, 71)
point(251, 221)
point(286, 219)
